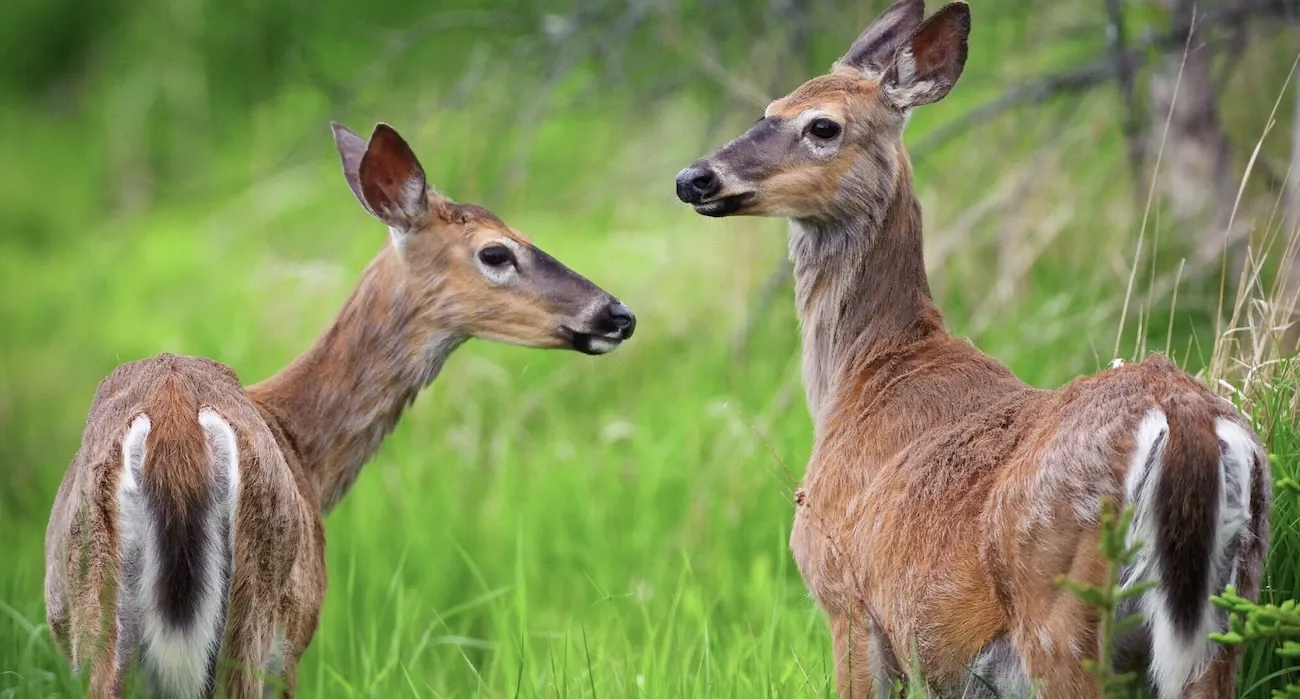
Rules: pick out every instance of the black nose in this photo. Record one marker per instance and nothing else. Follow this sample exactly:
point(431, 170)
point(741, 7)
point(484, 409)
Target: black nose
point(696, 184)
point(618, 318)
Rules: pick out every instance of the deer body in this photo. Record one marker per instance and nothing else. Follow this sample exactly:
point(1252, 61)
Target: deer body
point(187, 534)
point(943, 495)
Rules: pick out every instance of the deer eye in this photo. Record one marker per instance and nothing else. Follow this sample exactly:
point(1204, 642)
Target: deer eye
point(496, 255)
point(824, 129)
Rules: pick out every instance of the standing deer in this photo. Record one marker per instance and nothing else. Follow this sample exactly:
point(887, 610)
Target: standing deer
point(187, 533)
point(943, 494)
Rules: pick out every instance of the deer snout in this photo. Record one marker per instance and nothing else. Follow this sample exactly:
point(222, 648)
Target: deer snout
point(696, 184)
point(617, 320)
point(606, 329)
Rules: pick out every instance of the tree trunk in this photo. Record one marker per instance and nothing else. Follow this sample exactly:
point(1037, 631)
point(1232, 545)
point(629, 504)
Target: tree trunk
point(1196, 174)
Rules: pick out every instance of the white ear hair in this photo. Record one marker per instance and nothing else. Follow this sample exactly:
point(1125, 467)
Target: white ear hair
point(928, 64)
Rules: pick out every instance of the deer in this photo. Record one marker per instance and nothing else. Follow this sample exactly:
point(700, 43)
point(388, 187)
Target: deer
point(943, 495)
point(186, 539)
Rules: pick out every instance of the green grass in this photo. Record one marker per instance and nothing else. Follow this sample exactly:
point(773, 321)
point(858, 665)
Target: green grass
point(546, 524)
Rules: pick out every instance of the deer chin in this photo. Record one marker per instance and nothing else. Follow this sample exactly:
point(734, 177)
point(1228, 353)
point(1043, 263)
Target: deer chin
point(724, 206)
point(591, 343)
point(595, 344)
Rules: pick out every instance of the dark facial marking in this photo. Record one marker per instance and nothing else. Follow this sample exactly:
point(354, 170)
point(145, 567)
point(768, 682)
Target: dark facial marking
point(757, 150)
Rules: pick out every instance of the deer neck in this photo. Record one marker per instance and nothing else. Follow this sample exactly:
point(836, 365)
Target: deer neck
point(340, 399)
point(860, 289)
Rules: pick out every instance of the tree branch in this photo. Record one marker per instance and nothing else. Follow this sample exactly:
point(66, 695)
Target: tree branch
point(1091, 75)
point(1123, 67)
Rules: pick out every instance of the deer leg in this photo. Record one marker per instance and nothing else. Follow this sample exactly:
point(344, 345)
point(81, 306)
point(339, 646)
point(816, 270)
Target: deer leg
point(281, 676)
point(105, 671)
point(96, 559)
point(108, 660)
point(1054, 662)
point(249, 647)
point(288, 687)
point(858, 672)
point(1220, 678)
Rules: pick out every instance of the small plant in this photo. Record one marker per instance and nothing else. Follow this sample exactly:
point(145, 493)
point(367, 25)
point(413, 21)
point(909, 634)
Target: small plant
point(1251, 622)
point(1106, 599)
point(1285, 486)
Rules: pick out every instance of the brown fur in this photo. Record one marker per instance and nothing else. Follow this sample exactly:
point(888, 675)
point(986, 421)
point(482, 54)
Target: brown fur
point(304, 434)
point(943, 495)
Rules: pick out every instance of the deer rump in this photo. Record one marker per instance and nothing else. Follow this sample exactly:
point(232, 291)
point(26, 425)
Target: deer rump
point(139, 549)
point(177, 499)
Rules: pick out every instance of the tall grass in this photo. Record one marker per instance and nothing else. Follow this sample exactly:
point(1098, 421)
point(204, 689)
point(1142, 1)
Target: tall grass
point(541, 523)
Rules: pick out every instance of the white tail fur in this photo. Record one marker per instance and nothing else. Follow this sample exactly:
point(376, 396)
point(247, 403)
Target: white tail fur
point(180, 659)
point(1177, 659)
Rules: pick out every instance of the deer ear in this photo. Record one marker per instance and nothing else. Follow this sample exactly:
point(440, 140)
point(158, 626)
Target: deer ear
point(874, 49)
point(351, 148)
point(928, 65)
point(391, 181)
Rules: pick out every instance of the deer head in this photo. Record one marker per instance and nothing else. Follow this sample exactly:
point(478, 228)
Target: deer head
point(832, 149)
point(470, 272)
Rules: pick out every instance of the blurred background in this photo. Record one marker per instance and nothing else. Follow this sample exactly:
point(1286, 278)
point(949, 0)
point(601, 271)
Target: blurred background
point(1109, 178)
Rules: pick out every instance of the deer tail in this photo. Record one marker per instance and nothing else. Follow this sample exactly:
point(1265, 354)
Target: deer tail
point(177, 501)
point(1189, 485)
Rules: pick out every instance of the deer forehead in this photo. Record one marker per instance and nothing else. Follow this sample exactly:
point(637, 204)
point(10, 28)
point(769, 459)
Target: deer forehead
point(829, 94)
point(481, 234)
point(479, 226)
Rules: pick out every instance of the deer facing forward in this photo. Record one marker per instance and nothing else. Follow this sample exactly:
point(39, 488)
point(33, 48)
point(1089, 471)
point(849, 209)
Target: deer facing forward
point(943, 495)
point(187, 536)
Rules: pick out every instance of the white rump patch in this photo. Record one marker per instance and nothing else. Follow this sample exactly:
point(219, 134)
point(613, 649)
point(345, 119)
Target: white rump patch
point(1140, 488)
point(131, 516)
point(1239, 453)
point(178, 658)
point(133, 454)
point(225, 456)
point(1174, 660)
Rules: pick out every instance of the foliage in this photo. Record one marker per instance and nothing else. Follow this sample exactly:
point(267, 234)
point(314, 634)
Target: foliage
point(1252, 623)
point(1118, 553)
point(1265, 624)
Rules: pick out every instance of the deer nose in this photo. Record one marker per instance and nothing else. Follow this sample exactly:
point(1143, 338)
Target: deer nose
point(618, 319)
point(696, 184)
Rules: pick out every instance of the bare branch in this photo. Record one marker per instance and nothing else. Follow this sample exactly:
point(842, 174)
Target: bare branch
point(1123, 67)
point(1093, 74)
